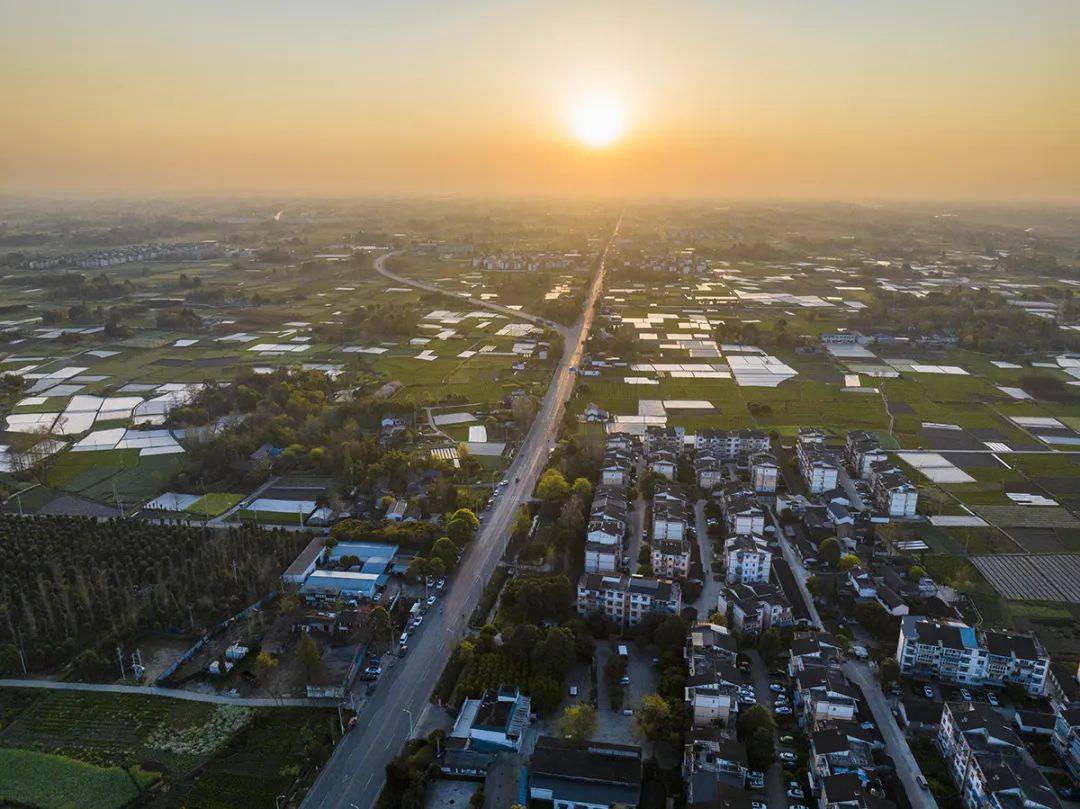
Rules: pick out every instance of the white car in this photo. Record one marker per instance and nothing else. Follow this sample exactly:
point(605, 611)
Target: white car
point(991, 697)
point(776, 687)
point(782, 710)
point(431, 601)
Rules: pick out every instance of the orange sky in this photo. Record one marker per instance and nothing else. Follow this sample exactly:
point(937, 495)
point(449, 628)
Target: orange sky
point(969, 99)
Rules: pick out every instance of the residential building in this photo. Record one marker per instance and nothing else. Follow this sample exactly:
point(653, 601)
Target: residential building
point(711, 763)
point(668, 438)
point(708, 471)
point(663, 463)
point(626, 600)
point(824, 696)
point(671, 558)
point(669, 513)
point(755, 608)
point(742, 514)
point(1066, 738)
point(764, 473)
point(818, 466)
point(894, 493)
point(954, 652)
point(731, 446)
point(747, 560)
point(862, 449)
point(985, 758)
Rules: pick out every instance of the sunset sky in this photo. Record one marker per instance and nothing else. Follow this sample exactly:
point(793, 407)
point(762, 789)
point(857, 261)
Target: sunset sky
point(968, 99)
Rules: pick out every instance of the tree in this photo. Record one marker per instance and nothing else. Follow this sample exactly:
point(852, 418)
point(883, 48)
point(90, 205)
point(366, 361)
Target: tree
point(829, 551)
point(718, 618)
point(889, 670)
point(552, 486)
point(847, 562)
point(751, 720)
point(9, 659)
point(523, 640)
point(462, 526)
point(265, 661)
point(308, 654)
point(380, 623)
point(771, 644)
point(916, 572)
point(557, 651)
point(446, 550)
point(670, 634)
point(761, 748)
point(581, 488)
point(578, 722)
point(654, 716)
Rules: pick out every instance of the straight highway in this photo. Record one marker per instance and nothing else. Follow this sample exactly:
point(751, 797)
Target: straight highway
point(354, 776)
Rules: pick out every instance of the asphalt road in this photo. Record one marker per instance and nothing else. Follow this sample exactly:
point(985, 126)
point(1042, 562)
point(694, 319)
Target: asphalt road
point(354, 776)
point(895, 744)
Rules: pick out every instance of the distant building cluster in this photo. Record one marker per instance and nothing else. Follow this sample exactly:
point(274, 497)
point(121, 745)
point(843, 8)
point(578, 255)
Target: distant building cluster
point(186, 251)
point(514, 261)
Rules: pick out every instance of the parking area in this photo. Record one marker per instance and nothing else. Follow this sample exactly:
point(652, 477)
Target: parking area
point(613, 724)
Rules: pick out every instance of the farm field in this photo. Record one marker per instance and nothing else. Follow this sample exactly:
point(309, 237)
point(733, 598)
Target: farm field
point(69, 749)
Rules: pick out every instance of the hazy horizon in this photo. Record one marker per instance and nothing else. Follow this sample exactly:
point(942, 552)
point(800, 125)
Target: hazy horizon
point(906, 102)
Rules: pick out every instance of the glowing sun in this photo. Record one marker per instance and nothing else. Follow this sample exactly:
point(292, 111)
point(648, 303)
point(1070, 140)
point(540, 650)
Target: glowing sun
point(597, 120)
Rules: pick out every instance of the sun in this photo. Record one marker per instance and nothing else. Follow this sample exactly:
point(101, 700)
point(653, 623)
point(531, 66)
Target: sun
point(597, 120)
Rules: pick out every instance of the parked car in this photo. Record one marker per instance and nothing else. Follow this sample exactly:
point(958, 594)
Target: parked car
point(920, 779)
point(431, 601)
point(782, 710)
point(372, 672)
point(787, 740)
point(928, 692)
point(787, 757)
point(624, 681)
point(991, 697)
point(965, 695)
point(794, 790)
point(627, 711)
point(573, 690)
point(776, 687)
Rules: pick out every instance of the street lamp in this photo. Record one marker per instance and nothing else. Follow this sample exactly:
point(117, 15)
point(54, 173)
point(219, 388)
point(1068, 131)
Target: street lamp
point(407, 711)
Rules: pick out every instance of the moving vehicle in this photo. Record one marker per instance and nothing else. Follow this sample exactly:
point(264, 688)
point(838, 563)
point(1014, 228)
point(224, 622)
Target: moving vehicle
point(573, 690)
point(920, 779)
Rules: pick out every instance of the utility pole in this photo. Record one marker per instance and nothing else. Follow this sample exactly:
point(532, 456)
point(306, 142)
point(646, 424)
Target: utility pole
point(120, 657)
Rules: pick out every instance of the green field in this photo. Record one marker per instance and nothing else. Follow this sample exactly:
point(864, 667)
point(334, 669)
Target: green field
point(213, 504)
point(56, 782)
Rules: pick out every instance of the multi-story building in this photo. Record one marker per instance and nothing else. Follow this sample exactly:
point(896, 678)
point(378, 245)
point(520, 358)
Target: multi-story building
point(954, 652)
point(820, 468)
point(731, 446)
point(671, 558)
point(823, 696)
point(893, 492)
point(663, 463)
point(1066, 738)
point(626, 600)
point(669, 511)
point(862, 449)
point(747, 559)
point(985, 758)
point(668, 438)
point(742, 514)
point(755, 608)
point(707, 471)
point(606, 531)
point(616, 469)
point(764, 473)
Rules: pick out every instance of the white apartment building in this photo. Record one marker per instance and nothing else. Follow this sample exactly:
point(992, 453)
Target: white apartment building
point(747, 560)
